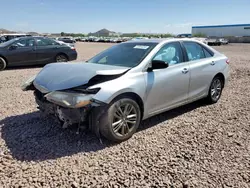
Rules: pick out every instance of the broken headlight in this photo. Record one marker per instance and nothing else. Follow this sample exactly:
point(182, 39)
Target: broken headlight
point(87, 91)
point(69, 99)
point(28, 83)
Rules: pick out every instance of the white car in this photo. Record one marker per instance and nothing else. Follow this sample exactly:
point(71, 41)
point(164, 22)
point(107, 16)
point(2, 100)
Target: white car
point(203, 40)
point(64, 43)
point(130, 82)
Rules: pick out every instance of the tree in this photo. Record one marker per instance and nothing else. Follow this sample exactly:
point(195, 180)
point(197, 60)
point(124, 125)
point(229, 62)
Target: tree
point(62, 34)
point(199, 35)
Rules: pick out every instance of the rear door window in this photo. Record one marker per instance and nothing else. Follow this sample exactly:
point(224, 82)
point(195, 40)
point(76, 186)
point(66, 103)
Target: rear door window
point(207, 53)
point(194, 51)
point(45, 42)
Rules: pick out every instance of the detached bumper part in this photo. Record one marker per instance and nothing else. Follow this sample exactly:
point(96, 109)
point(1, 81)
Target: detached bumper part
point(71, 116)
point(92, 115)
point(28, 84)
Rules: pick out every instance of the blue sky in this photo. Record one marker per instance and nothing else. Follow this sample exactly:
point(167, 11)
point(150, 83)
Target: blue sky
point(155, 16)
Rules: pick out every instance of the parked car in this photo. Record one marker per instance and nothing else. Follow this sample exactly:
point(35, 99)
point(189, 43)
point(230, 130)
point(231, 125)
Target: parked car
point(63, 43)
point(34, 50)
point(7, 37)
point(213, 42)
point(223, 41)
point(66, 39)
point(129, 82)
point(201, 39)
point(184, 35)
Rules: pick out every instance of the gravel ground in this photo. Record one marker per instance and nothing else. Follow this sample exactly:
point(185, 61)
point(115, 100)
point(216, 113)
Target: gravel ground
point(192, 146)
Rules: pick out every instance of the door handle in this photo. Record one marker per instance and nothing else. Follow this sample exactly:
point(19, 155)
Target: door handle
point(212, 63)
point(185, 71)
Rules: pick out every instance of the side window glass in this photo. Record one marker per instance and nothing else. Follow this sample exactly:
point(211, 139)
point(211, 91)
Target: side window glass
point(44, 42)
point(194, 51)
point(21, 43)
point(170, 53)
point(31, 42)
point(25, 43)
point(207, 54)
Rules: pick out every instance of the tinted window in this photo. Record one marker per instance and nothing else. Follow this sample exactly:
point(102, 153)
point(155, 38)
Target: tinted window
point(124, 54)
point(45, 42)
point(207, 54)
point(194, 51)
point(25, 43)
point(170, 53)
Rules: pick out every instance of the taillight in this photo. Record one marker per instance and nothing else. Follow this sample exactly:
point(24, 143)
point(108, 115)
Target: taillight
point(73, 48)
point(227, 61)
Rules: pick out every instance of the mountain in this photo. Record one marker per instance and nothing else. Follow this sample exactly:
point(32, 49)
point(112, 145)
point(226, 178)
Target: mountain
point(33, 33)
point(103, 33)
point(6, 31)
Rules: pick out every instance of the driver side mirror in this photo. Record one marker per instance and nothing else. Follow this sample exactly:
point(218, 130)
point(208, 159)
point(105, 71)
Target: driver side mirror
point(13, 47)
point(158, 64)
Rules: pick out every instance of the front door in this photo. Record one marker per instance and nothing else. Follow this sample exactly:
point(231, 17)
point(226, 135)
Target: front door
point(24, 52)
point(168, 88)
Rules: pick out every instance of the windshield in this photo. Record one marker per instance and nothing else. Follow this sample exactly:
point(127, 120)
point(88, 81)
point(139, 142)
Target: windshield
point(124, 54)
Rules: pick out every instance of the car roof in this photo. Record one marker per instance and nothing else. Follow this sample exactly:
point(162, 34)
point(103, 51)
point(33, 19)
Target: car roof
point(29, 37)
point(14, 34)
point(160, 40)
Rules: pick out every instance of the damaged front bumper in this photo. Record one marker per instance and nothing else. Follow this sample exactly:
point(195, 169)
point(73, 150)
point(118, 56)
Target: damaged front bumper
point(92, 114)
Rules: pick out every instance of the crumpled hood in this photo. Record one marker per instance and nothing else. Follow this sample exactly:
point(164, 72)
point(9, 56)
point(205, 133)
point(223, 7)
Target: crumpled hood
point(60, 76)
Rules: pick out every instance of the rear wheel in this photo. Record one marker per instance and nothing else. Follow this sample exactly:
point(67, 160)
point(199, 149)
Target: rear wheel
point(61, 58)
point(124, 117)
point(215, 90)
point(3, 64)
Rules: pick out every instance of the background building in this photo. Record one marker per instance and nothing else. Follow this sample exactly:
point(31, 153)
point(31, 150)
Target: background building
point(240, 30)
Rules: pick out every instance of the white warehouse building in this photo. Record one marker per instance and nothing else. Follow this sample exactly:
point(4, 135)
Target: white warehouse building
point(239, 30)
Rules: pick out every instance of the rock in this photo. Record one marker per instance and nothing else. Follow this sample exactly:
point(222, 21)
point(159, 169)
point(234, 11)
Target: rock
point(74, 185)
point(229, 134)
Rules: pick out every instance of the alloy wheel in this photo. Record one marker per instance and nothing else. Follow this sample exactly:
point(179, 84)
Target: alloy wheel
point(124, 119)
point(2, 64)
point(216, 89)
point(61, 58)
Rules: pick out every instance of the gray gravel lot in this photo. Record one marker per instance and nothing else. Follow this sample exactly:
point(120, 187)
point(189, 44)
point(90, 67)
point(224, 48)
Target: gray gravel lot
point(192, 146)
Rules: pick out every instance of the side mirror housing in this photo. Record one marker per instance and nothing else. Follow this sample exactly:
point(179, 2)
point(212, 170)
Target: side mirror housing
point(13, 47)
point(157, 64)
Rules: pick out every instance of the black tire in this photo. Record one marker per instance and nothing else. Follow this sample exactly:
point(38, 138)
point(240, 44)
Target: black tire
point(111, 131)
point(215, 90)
point(61, 58)
point(3, 64)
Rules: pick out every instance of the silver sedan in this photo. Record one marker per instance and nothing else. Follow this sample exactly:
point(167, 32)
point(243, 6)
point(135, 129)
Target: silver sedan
point(115, 90)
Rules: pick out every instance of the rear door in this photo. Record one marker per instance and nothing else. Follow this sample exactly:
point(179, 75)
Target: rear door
point(201, 64)
point(46, 50)
point(24, 52)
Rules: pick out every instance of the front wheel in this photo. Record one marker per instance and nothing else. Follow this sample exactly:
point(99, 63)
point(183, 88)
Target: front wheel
point(2, 64)
point(215, 90)
point(124, 117)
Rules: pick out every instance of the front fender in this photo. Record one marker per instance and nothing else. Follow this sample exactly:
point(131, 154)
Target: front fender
point(112, 89)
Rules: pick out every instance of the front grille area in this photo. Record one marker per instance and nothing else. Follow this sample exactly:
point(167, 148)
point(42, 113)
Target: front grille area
point(39, 95)
point(43, 104)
